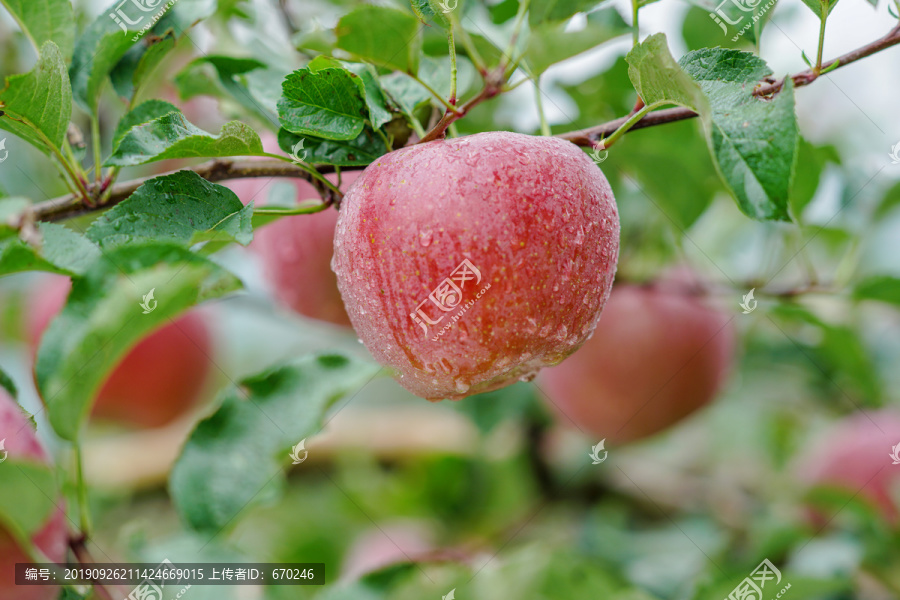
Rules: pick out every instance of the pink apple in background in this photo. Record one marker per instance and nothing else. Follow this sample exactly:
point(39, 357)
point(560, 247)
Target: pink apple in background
point(296, 253)
point(659, 353)
point(857, 455)
point(385, 546)
point(160, 378)
point(470, 263)
point(21, 443)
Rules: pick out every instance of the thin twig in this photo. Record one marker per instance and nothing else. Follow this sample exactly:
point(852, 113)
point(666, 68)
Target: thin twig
point(83, 556)
point(215, 170)
point(589, 136)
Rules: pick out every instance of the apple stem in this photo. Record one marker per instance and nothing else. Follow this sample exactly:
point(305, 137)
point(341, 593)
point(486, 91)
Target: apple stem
point(452, 44)
point(545, 127)
point(491, 88)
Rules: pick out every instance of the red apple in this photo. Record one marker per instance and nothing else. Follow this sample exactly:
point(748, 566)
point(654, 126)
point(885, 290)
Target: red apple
point(296, 252)
point(159, 379)
point(658, 354)
point(21, 443)
point(855, 455)
point(467, 264)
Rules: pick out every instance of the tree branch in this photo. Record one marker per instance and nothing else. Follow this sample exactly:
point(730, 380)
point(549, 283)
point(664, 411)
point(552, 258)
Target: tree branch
point(222, 169)
point(591, 135)
point(70, 205)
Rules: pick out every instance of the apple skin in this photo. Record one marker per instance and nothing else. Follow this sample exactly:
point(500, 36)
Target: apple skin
point(157, 381)
point(52, 539)
point(296, 252)
point(534, 216)
point(658, 354)
point(854, 454)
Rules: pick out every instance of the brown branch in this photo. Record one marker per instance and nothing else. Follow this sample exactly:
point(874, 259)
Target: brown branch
point(591, 135)
point(78, 545)
point(492, 83)
point(70, 205)
point(222, 169)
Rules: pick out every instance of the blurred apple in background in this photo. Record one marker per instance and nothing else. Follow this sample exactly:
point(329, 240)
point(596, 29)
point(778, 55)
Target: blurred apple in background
point(20, 442)
point(160, 378)
point(855, 455)
point(296, 250)
point(659, 353)
point(387, 545)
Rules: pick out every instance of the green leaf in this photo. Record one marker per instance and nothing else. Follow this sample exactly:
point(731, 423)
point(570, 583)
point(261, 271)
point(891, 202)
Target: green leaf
point(383, 36)
point(37, 105)
point(181, 208)
point(840, 355)
point(26, 497)
point(143, 113)
point(97, 52)
point(362, 151)
point(540, 11)
point(889, 201)
point(882, 288)
point(172, 136)
point(822, 7)
point(813, 159)
point(60, 250)
point(102, 320)
point(328, 103)
point(431, 10)
point(659, 80)
point(45, 21)
point(8, 384)
point(753, 140)
point(549, 43)
point(373, 93)
point(405, 93)
point(233, 459)
point(139, 62)
point(245, 80)
point(516, 402)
